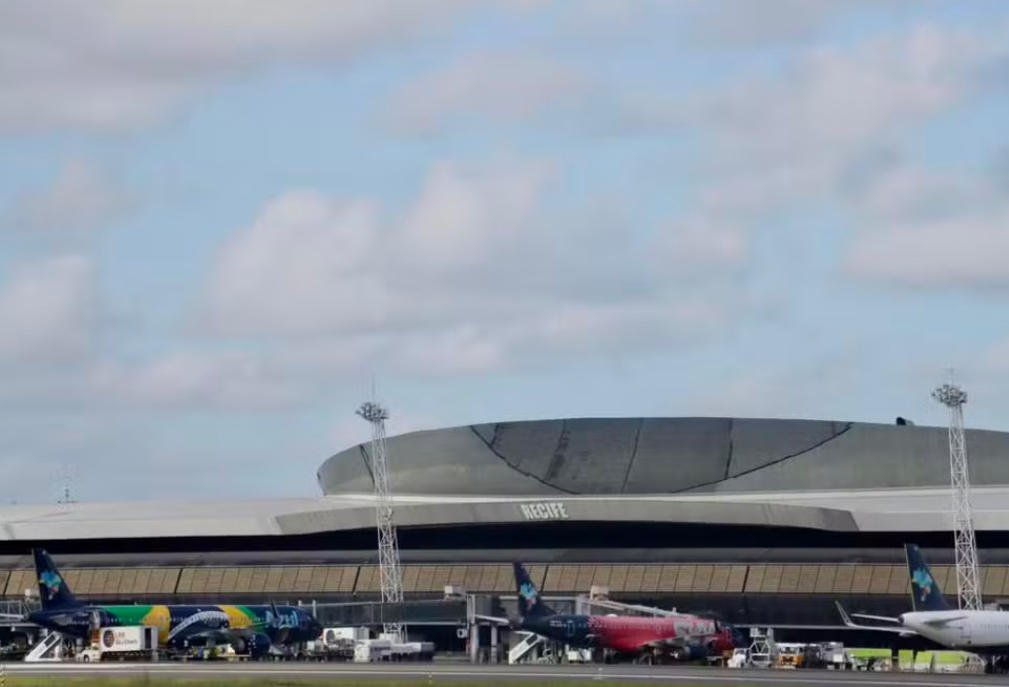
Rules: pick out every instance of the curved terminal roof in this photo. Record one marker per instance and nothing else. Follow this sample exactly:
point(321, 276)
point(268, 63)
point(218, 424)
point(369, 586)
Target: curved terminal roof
point(829, 477)
point(667, 456)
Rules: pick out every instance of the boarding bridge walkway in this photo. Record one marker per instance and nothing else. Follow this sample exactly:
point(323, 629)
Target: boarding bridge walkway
point(588, 605)
point(373, 613)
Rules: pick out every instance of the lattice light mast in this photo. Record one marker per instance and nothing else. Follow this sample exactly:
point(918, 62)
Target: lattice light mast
point(388, 547)
point(968, 588)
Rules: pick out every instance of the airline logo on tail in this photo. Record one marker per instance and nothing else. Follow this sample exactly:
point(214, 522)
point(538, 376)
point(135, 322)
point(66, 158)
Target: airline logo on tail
point(528, 592)
point(51, 582)
point(924, 582)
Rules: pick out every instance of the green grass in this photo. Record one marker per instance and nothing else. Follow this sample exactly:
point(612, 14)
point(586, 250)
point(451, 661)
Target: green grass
point(266, 681)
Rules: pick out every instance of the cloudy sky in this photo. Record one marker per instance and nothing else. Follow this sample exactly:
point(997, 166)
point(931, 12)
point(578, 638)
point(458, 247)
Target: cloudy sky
point(220, 221)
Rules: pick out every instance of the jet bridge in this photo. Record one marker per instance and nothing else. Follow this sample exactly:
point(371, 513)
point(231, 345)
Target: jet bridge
point(598, 600)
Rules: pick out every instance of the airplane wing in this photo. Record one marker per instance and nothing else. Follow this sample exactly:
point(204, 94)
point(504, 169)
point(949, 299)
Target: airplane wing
point(218, 636)
point(902, 631)
point(199, 635)
point(884, 618)
point(493, 619)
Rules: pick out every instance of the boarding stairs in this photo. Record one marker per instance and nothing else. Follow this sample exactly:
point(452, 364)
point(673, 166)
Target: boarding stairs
point(520, 653)
point(764, 651)
point(49, 648)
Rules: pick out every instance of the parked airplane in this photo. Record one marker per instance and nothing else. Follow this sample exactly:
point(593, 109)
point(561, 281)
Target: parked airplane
point(983, 632)
point(247, 628)
point(682, 636)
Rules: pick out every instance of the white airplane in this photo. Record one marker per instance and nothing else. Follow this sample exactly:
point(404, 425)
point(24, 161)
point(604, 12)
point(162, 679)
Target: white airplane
point(985, 633)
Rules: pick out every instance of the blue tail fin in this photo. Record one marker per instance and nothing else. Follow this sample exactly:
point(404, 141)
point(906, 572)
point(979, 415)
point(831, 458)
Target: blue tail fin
point(530, 605)
point(925, 593)
point(53, 589)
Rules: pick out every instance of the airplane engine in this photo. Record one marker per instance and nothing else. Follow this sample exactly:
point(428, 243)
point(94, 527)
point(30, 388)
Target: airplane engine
point(693, 651)
point(727, 639)
point(257, 645)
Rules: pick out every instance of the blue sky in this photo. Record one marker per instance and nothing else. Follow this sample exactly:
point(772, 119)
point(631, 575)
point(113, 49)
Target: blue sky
point(217, 227)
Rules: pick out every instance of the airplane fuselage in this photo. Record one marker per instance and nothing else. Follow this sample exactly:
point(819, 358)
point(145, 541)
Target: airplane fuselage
point(279, 624)
point(977, 631)
point(620, 633)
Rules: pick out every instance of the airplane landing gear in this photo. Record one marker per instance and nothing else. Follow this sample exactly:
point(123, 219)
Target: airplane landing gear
point(996, 665)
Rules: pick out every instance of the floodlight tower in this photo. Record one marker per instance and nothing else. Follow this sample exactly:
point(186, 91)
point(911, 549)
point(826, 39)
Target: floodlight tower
point(388, 547)
point(968, 588)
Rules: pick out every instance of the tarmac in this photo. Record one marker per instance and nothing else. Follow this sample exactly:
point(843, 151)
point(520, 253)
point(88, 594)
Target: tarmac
point(435, 673)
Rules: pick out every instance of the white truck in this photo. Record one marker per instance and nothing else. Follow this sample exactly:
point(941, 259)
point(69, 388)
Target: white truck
point(373, 650)
point(132, 643)
point(336, 643)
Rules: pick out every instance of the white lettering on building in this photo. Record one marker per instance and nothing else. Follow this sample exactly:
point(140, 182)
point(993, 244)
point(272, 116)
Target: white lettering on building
point(544, 511)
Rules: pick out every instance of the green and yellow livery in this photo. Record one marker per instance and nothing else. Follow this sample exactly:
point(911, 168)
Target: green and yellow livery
point(250, 629)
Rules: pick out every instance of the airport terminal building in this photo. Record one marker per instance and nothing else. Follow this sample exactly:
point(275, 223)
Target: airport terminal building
point(762, 521)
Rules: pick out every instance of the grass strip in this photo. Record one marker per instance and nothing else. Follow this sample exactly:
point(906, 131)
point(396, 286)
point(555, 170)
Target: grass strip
point(268, 681)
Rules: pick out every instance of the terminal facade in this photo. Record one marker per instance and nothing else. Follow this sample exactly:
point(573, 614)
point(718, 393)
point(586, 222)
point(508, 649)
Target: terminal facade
point(759, 521)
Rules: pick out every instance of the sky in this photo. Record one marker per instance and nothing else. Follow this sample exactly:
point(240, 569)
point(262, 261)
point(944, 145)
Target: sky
point(223, 225)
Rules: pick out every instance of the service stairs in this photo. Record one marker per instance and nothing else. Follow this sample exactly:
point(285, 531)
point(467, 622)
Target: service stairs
point(522, 652)
point(49, 648)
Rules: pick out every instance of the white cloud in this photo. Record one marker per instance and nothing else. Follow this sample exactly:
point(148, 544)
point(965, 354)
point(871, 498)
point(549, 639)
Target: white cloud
point(996, 358)
point(128, 63)
point(701, 243)
point(497, 87)
point(187, 380)
point(800, 137)
point(81, 197)
point(832, 103)
point(351, 430)
point(822, 108)
point(738, 23)
point(302, 266)
point(49, 311)
point(467, 216)
point(822, 385)
point(474, 275)
point(904, 192)
point(966, 250)
point(312, 266)
point(922, 228)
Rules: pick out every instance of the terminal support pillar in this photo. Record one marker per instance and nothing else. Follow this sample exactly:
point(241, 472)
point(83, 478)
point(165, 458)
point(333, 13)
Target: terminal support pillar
point(495, 648)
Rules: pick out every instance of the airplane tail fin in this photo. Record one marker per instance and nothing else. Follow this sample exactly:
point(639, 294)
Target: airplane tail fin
point(53, 589)
point(530, 604)
point(925, 593)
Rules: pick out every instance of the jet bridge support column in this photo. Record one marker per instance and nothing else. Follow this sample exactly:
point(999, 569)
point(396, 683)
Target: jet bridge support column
point(495, 648)
point(474, 643)
point(472, 627)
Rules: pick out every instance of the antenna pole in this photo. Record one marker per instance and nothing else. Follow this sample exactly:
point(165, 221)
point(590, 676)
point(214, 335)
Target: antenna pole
point(968, 587)
point(388, 547)
point(66, 488)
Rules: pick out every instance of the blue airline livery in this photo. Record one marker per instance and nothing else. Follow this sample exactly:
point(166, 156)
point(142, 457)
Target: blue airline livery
point(249, 629)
